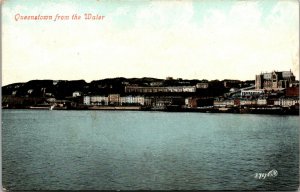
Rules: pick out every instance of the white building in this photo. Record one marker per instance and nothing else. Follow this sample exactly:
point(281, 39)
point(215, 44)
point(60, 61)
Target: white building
point(252, 92)
point(86, 100)
point(287, 102)
point(248, 102)
point(261, 101)
point(76, 94)
point(133, 100)
point(103, 100)
point(99, 100)
point(95, 100)
point(224, 103)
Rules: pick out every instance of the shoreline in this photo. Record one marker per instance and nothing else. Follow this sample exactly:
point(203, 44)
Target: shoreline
point(233, 110)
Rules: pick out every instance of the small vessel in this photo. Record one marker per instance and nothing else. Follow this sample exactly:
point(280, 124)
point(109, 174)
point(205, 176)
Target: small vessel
point(39, 107)
point(44, 106)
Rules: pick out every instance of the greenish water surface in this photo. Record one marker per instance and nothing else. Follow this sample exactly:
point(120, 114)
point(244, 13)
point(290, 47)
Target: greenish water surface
point(122, 150)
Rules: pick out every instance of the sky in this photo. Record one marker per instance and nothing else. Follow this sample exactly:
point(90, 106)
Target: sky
point(200, 39)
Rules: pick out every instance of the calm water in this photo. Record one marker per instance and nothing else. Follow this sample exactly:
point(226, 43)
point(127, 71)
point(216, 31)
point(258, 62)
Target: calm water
point(75, 150)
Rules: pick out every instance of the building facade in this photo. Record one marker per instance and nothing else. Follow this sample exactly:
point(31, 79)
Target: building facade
point(134, 100)
point(252, 92)
point(115, 99)
point(288, 102)
point(95, 100)
point(178, 89)
point(274, 80)
point(224, 103)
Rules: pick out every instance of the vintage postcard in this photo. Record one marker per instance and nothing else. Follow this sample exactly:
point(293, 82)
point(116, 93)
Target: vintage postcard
point(150, 95)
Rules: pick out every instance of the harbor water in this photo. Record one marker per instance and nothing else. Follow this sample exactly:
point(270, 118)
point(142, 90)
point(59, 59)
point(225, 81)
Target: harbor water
point(132, 150)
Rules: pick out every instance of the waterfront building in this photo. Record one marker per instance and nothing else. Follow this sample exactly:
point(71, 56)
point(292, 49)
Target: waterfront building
point(114, 99)
point(138, 100)
point(224, 103)
point(276, 102)
point(272, 101)
point(288, 102)
point(148, 101)
point(86, 100)
point(261, 101)
point(165, 101)
point(274, 80)
point(95, 100)
point(191, 102)
point(194, 102)
point(247, 102)
point(126, 100)
point(161, 102)
point(99, 100)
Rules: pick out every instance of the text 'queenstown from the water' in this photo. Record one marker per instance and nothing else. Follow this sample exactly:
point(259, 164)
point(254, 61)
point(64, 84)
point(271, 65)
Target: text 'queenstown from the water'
point(60, 17)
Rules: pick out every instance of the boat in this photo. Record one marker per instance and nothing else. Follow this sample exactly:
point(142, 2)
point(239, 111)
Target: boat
point(40, 107)
point(44, 106)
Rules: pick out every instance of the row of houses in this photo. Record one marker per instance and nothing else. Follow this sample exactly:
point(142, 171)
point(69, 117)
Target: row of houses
point(116, 99)
point(176, 89)
point(282, 102)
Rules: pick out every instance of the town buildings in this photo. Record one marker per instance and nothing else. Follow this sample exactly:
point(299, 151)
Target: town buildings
point(274, 89)
point(178, 89)
point(116, 100)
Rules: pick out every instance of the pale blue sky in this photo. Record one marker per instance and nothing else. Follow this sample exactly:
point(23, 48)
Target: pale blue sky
point(201, 39)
